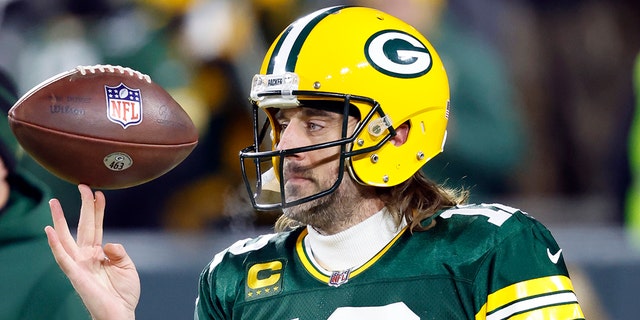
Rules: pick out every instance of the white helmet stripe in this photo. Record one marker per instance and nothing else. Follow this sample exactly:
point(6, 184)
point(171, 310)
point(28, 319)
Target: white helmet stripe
point(285, 54)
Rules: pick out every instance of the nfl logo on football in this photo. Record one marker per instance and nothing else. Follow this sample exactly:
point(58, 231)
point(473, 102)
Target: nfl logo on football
point(124, 105)
point(339, 277)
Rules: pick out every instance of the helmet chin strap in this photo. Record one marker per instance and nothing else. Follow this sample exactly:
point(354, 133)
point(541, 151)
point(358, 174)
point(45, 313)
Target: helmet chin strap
point(352, 173)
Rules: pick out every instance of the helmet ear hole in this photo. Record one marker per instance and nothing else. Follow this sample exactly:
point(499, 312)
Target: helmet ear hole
point(402, 132)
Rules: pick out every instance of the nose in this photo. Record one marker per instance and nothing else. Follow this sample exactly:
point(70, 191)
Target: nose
point(286, 138)
point(291, 136)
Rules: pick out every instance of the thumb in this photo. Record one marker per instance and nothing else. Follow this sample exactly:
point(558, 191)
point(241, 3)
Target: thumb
point(117, 254)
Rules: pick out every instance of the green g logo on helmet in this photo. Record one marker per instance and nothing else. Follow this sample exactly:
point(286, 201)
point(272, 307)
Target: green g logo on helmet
point(398, 54)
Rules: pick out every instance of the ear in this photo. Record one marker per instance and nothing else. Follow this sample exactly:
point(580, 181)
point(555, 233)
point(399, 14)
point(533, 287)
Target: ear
point(402, 132)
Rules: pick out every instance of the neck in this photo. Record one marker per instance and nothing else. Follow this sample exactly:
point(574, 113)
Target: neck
point(355, 246)
point(363, 211)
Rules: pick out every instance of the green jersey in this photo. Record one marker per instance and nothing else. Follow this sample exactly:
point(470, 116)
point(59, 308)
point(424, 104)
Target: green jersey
point(477, 262)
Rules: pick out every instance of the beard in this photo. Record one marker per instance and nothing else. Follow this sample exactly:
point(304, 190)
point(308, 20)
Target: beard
point(331, 211)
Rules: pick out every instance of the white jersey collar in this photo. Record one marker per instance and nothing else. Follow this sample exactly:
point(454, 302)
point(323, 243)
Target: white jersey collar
point(355, 246)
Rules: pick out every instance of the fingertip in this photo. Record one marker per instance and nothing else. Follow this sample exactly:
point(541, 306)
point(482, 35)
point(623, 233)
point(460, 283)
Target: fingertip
point(100, 200)
point(50, 232)
point(115, 251)
point(54, 206)
point(85, 192)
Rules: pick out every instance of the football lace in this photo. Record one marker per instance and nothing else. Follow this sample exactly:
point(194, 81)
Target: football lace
point(103, 68)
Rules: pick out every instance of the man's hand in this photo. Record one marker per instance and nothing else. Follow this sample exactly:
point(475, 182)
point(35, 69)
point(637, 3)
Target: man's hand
point(105, 277)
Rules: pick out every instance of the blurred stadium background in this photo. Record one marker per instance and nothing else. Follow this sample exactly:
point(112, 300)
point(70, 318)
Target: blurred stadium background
point(542, 102)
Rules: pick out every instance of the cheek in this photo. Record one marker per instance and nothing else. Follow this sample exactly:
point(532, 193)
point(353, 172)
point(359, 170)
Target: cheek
point(330, 167)
point(329, 157)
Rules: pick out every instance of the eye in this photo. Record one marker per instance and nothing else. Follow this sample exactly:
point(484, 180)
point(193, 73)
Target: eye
point(312, 126)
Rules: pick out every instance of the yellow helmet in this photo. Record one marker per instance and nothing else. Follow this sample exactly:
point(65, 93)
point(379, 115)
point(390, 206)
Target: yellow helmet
point(368, 60)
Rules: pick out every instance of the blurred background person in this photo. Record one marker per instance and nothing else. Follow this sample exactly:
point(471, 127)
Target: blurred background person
point(571, 61)
point(632, 201)
point(34, 287)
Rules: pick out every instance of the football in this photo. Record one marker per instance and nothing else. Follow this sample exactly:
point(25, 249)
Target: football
point(109, 127)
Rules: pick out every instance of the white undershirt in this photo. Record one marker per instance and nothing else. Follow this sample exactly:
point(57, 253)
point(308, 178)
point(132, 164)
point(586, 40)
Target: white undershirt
point(355, 246)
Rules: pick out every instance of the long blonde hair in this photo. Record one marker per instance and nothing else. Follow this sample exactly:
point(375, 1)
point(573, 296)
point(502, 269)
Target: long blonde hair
point(415, 200)
point(419, 198)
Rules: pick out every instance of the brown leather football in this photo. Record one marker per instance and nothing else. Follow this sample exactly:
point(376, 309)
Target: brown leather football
point(106, 126)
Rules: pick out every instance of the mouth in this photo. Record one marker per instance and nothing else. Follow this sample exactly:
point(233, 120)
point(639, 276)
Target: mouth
point(295, 179)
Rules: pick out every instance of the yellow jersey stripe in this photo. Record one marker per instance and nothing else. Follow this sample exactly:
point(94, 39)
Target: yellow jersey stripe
point(533, 304)
point(305, 261)
point(379, 254)
point(528, 288)
point(527, 295)
point(316, 273)
point(565, 311)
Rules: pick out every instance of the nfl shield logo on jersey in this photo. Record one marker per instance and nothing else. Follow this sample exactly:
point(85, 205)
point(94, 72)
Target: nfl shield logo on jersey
point(124, 105)
point(339, 277)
